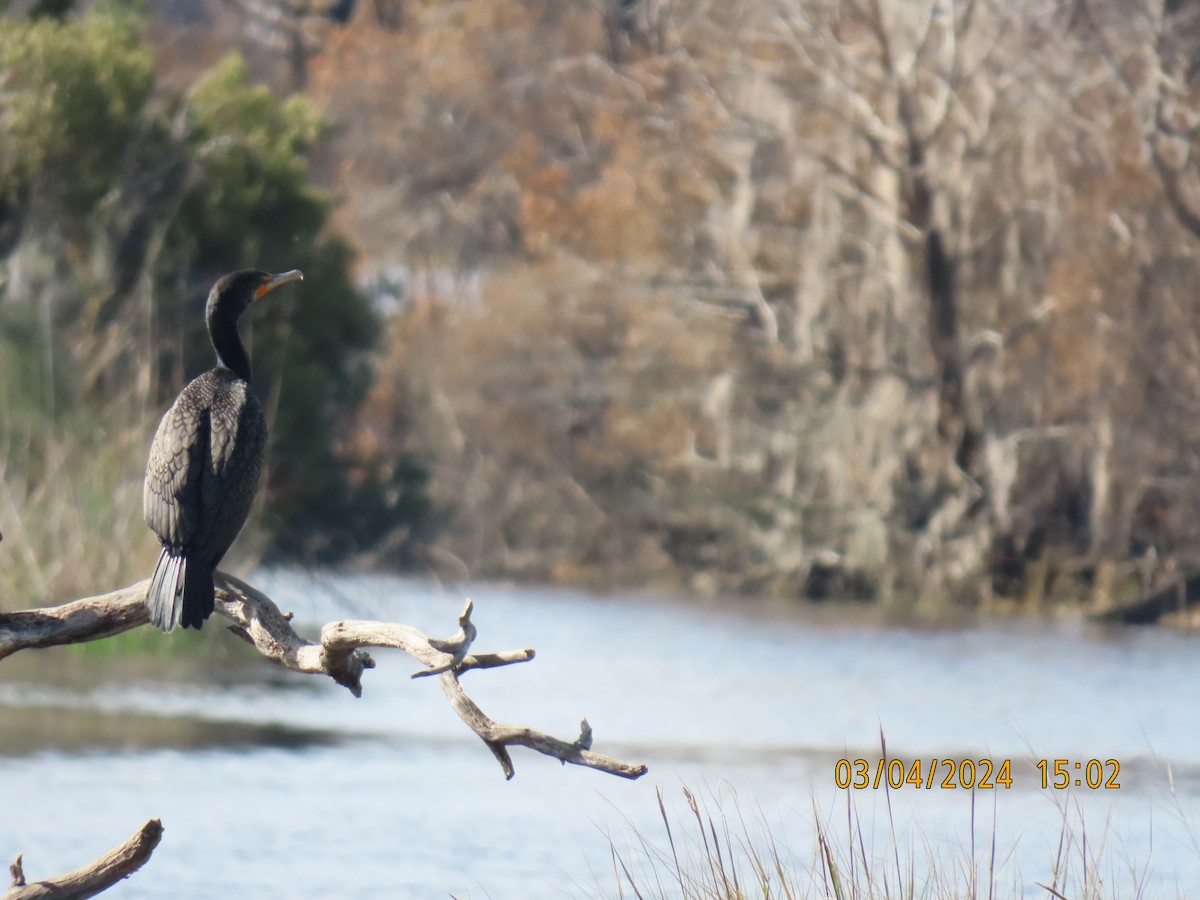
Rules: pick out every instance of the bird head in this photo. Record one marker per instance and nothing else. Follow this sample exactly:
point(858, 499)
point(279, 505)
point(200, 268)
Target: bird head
point(234, 292)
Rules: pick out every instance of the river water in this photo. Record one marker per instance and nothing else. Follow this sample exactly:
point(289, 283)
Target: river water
point(273, 784)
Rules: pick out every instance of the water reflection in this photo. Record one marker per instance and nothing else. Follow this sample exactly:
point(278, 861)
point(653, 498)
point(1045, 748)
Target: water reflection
point(30, 729)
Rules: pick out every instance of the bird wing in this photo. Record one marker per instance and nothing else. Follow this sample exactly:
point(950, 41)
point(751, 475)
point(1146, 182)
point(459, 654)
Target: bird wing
point(171, 495)
point(238, 432)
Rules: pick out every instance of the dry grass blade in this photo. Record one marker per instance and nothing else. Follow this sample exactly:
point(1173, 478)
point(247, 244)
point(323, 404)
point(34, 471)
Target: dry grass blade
point(887, 793)
point(992, 857)
point(830, 864)
point(857, 840)
point(700, 867)
point(632, 882)
point(662, 810)
point(1051, 891)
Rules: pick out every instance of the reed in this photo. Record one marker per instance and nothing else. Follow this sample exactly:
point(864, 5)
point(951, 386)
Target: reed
point(714, 851)
point(70, 510)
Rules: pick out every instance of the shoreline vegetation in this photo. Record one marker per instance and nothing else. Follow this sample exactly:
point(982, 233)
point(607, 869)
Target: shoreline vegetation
point(882, 304)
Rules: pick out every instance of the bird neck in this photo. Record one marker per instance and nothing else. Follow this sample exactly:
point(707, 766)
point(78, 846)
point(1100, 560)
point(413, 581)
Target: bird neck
point(231, 352)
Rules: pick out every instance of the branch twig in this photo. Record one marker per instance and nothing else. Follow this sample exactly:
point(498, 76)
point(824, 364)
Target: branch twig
point(93, 878)
point(339, 653)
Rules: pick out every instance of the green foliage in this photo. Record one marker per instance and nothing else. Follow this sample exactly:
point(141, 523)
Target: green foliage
point(311, 353)
point(123, 205)
point(22, 388)
point(253, 202)
point(73, 93)
point(253, 197)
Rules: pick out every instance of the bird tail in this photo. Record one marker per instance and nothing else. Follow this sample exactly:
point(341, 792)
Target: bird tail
point(181, 592)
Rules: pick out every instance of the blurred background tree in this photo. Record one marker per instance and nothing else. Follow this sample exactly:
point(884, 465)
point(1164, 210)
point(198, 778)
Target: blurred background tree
point(885, 300)
point(120, 205)
point(809, 298)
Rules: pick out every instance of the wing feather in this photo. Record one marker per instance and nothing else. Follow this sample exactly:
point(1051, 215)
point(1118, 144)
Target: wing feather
point(204, 466)
point(170, 495)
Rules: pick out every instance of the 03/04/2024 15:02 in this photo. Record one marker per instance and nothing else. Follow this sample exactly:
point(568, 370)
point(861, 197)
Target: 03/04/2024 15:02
point(968, 774)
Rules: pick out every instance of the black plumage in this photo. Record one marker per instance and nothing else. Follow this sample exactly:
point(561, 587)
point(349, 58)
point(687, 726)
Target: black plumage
point(205, 461)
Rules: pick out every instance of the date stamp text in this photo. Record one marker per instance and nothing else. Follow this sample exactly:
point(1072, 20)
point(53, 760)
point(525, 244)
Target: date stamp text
point(972, 774)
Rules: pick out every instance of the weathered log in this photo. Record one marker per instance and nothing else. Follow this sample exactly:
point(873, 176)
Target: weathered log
point(339, 653)
point(95, 877)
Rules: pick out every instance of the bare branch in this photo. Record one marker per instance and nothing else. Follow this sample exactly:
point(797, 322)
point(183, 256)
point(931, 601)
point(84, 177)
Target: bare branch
point(93, 878)
point(88, 619)
point(339, 653)
point(879, 28)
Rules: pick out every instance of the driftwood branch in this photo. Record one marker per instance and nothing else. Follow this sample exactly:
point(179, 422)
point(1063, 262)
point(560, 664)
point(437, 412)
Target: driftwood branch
point(339, 653)
point(93, 878)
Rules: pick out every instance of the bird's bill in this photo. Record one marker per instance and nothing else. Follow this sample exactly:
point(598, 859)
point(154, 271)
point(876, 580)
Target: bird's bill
point(275, 281)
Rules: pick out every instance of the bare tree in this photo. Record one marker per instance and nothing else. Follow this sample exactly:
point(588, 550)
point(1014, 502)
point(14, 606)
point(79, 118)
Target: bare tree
point(1135, 100)
point(925, 249)
point(922, 120)
point(1150, 50)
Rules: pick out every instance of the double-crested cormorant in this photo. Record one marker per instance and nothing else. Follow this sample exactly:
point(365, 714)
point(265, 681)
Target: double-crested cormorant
point(205, 461)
